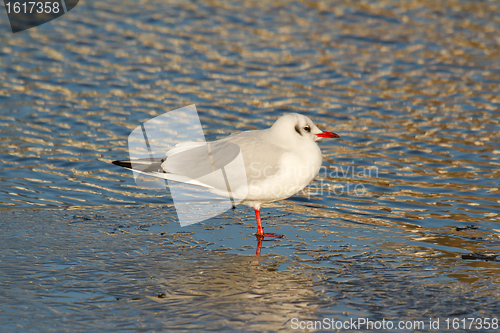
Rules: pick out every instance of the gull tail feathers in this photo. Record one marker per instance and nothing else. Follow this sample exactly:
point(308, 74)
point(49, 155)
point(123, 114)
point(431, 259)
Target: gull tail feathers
point(153, 169)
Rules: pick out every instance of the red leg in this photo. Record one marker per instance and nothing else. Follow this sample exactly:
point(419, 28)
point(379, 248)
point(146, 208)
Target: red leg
point(260, 231)
point(259, 246)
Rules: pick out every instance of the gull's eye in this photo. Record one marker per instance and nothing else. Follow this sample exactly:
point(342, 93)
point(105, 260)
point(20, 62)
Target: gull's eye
point(307, 128)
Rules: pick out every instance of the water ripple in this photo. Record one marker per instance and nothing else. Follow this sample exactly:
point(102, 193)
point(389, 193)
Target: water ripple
point(412, 88)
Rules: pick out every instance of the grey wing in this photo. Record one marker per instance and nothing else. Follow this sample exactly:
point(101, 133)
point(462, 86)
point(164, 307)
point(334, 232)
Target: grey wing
point(200, 159)
point(195, 162)
point(261, 157)
point(192, 163)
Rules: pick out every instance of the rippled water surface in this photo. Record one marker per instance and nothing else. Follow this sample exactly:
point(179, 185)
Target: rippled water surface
point(409, 195)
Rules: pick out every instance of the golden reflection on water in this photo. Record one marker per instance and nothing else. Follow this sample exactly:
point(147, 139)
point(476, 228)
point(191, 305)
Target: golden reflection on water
point(121, 260)
point(445, 242)
point(412, 88)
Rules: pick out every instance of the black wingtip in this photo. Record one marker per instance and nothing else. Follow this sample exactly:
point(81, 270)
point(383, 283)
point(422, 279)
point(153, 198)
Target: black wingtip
point(125, 164)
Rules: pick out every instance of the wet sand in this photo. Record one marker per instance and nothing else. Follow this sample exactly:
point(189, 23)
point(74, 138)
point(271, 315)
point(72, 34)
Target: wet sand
point(135, 268)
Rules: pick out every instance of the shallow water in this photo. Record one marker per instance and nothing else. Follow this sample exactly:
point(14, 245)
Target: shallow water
point(412, 89)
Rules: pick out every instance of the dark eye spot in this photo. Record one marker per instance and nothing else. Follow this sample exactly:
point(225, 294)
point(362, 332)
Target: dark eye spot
point(307, 128)
point(297, 129)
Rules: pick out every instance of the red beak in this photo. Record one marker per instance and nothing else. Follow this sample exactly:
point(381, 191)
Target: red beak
point(327, 135)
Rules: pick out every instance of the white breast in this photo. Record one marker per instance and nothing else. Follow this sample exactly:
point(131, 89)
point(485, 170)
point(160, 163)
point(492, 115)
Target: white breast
point(285, 174)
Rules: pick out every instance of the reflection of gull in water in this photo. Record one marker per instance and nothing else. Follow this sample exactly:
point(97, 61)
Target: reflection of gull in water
point(278, 162)
point(231, 292)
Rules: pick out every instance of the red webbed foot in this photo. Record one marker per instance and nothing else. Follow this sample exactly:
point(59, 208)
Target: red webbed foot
point(268, 235)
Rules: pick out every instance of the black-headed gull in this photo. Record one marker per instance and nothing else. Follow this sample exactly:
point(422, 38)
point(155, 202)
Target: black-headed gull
point(278, 161)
